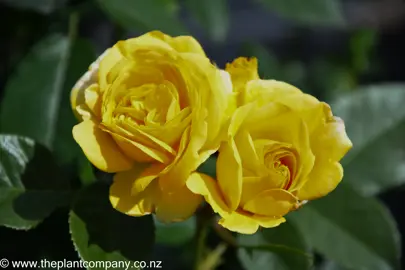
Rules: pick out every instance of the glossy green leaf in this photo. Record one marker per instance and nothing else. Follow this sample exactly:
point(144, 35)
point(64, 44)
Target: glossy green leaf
point(352, 230)
point(144, 15)
point(176, 233)
point(100, 233)
point(42, 6)
point(31, 184)
point(324, 12)
point(32, 96)
point(375, 122)
point(213, 15)
point(281, 248)
point(37, 97)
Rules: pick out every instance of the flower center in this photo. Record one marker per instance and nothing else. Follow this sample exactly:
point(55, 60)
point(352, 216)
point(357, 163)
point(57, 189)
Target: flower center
point(149, 104)
point(279, 158)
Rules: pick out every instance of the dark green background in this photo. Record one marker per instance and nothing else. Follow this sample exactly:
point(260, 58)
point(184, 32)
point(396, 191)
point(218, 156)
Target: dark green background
point(329, 48)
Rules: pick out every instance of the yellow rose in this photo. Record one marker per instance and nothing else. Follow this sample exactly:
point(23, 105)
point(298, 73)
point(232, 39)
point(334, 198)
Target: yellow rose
point(283, 147)
point(152, 108)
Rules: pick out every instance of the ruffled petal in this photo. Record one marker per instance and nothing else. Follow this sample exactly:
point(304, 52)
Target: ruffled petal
point(323, 179)
point(184, 44)
point(229, 174)
point(239, 223)
point(206, 186)
point(242, 70)
point(107, 61)
point(124, 199)
point(100, 148)
point(177, 206)
point(273, 203)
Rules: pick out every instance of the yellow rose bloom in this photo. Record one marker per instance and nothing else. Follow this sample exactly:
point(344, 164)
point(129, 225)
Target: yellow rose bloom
point(283, 147)
point(151, 111)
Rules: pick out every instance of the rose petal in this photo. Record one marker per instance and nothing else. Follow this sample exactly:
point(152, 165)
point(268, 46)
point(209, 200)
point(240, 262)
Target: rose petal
point(100, 148)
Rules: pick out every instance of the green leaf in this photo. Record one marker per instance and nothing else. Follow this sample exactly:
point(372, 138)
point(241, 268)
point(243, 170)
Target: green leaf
point(31, 185)
point(175, 234)
point(37, 99)
point(42, 6)
point(144, 15)
point(310, 12)
point(213, 15)
point(82, 54)
point(375, 122)
point(330, 265)
point(32, 95)
point(100, 233)
point(354, 231)
point(281, 248)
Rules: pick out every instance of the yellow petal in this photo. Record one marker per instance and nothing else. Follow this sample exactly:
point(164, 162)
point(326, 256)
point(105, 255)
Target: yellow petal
point(144, 136)
point(259, 117)
point(286, 127)
point(272, 90)
point(100, 148)
point(138, 151)
point(127, 202)
point(226, 78)
point(232, 96)
point(77, 97)
point(135, 193)
point(172, 131)
point(330, 140)
point(93, 100)
point(199, 73)
point(239, 223)
point(146, 177)
point(323, 179)
point(253, 185)
point(177, 206)
point(268, 222)
point(265, 91)
point(83, 113)
point(239, 117)
point(229, 174)
point(108, 60)
point(206, 186)
point(188, 159)
point(184, 44)
point(247, 152)
point(156, 141)
point(242, 70)
point(135, 47)
point(329, 143)
point(273, 202)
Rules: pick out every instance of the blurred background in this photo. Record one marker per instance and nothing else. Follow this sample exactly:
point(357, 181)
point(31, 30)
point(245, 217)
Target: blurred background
point(331, 49)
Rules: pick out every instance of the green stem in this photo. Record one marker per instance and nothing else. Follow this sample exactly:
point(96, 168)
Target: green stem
point(226, 236)
point(204, 219)
point(73, 25)
point(202, 230)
